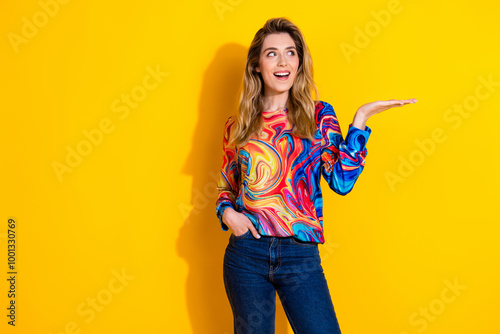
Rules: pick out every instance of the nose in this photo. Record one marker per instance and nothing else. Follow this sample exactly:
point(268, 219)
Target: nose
point(282, 60)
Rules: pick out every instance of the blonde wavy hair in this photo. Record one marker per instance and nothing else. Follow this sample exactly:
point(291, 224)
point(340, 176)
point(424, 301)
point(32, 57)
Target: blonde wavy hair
point(300, 104)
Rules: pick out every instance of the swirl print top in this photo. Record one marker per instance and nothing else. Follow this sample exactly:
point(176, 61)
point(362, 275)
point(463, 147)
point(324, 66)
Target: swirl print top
point(275, 178)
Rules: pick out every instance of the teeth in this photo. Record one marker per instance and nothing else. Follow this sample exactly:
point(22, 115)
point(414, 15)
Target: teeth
point(282, 74)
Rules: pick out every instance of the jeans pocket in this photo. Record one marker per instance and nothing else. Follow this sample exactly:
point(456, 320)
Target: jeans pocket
point(244, 235)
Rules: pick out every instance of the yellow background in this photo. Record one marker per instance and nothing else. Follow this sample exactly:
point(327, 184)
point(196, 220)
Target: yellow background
point(141, 202)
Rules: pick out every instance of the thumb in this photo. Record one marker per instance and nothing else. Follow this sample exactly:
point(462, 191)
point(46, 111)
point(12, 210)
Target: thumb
point(254, 231)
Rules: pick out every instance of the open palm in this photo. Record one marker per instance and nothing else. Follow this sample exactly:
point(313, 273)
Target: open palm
point(372, 108)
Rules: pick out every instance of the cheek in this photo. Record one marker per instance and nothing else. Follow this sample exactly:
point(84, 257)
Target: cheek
point(267, 66)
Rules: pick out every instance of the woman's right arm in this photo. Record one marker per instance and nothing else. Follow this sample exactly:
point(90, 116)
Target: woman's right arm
point(228, 188)
point(228, 184)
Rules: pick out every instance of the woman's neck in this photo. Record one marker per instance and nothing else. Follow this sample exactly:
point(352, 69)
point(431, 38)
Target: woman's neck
point(275, 102)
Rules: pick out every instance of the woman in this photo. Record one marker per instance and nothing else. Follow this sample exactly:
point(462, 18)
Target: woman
point(276, 148)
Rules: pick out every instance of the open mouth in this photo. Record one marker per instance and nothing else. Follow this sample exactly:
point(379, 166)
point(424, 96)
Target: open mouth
point(282, 75)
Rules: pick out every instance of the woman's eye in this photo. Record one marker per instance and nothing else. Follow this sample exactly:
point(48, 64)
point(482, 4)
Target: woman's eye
point(272, 53)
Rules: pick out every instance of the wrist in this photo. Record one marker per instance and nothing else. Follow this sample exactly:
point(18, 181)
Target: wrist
point(359, 120)
point(227, 212)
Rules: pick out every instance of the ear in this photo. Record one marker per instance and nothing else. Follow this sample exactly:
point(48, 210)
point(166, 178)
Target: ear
point(257, 69)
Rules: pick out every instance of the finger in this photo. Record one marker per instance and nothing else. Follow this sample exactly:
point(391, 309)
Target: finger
point(390, 103)
point(402, 102)
point(239, 233)
point(399, 103)
point(254, 231)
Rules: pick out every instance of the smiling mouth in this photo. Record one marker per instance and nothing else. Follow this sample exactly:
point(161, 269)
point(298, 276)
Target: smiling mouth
point(282, 75)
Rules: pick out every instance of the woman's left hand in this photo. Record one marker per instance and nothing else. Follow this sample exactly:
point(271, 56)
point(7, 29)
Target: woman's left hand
point(372, 108)
point(369, 109)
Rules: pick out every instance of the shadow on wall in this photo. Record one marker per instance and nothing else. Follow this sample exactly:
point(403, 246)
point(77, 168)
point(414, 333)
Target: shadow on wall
point(202, 241)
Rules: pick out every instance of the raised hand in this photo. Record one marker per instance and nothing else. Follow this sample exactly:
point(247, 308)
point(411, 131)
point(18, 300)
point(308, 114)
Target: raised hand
point(372, 108)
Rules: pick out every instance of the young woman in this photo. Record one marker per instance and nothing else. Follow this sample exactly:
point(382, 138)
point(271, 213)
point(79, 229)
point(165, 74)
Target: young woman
point(275, 150)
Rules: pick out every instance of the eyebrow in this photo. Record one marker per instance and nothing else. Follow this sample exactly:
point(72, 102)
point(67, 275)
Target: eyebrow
point(273, 48)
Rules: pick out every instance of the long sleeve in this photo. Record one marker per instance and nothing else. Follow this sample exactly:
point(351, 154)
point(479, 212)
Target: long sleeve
point(228, 185)
point(342, 160)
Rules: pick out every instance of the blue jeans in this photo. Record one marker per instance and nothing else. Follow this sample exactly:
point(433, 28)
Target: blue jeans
point(254, 270)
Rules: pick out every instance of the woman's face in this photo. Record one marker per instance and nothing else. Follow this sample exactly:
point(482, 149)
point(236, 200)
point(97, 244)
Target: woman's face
point(278, 56)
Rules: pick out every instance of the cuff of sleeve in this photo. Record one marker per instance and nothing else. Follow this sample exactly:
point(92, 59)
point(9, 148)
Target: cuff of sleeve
point(357, 138)
point(220, 212)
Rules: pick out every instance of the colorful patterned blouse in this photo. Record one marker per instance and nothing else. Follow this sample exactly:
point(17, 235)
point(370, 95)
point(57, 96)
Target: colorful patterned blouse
point(275, 179)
